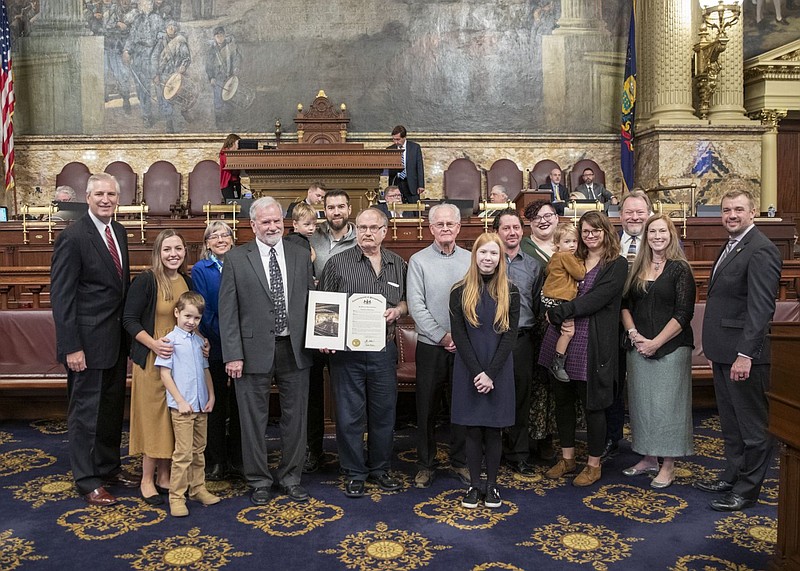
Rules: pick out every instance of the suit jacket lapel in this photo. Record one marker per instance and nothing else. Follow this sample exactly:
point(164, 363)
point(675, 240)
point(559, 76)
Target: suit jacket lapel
point(291, 268)
point(100, 245)
point(254, 255)
point(741, 245)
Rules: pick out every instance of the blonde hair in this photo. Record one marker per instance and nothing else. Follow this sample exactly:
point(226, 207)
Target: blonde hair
point(498, 286)
point(562, 230)
point(637, 276)
point(163, 283)
point(303, 210)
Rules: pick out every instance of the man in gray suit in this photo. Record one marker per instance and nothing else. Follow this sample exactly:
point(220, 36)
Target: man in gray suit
point(741, 302)
point(263, 283)
point(591, 190)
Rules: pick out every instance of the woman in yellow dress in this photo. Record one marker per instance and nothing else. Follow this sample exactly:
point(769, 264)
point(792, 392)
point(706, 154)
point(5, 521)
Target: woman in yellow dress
point(148, 317)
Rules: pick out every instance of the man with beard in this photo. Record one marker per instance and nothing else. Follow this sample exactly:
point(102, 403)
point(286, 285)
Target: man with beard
point(264, 282)
point(334, 235)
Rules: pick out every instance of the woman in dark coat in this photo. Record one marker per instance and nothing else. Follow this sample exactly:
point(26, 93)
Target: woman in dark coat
point(592, 364)
point(484, 316)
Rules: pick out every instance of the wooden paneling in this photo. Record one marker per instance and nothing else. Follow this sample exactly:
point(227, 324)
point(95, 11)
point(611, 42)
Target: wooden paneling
point(789, 169)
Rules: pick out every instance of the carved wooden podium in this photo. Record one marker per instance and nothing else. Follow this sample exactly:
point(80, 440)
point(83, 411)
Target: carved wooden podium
point(321, 154)
point(784, 423)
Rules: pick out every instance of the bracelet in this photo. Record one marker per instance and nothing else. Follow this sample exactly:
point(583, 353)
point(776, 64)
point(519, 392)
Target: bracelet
point(631, 331)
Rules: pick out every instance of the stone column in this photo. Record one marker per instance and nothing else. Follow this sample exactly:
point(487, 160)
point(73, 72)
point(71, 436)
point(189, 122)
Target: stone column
point(727, 102)
point(579, 16)
point(769, 156)
point(60, 15)
point(668, 51)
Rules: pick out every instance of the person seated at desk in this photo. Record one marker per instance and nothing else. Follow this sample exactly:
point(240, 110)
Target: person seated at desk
point(591, 190)
point(65, 193)
point(559, 191)
point(497, 195)
point(392, 196)
point(314, 197)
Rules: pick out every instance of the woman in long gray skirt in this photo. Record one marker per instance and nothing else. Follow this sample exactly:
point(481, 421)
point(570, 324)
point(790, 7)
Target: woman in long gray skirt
point(657, 309)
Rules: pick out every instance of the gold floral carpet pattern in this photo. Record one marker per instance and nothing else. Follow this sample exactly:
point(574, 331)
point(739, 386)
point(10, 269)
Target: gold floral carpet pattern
point(617, 524)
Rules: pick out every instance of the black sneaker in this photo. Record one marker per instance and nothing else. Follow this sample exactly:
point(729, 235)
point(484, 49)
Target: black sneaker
point(472, 498)
point(492, 499)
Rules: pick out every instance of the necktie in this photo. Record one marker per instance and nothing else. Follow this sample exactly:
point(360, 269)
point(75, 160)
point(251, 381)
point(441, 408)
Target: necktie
point(591, 191)
point(631, 255)
point(112, 249)
point(725, 252)
point(402, 174)
point(276, 288)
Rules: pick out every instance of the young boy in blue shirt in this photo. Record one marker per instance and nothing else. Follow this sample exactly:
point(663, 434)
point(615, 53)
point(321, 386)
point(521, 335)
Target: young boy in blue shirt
point(190, 396)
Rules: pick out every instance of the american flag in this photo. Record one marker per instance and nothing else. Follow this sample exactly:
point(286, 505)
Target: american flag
point(7, 100)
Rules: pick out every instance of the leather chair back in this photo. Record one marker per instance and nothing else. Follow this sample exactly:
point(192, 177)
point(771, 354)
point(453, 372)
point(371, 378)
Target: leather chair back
point(203, 187)
point(463, 181)
point(505, 172)
point(128, 182)
point(161, 189)
point(76, 175)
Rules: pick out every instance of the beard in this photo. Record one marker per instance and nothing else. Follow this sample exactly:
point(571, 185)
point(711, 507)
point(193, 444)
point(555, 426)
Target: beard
point(337, 224)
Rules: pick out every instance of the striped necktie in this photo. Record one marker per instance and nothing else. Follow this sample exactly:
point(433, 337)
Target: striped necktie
point(731, 245)
point(631, 255)
point(402, 174)
point(112, 249)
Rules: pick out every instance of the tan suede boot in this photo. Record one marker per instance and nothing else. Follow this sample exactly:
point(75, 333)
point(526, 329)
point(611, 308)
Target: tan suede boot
point(178, 508)
point(588, 476)
point(562, 467)
point(205, 497)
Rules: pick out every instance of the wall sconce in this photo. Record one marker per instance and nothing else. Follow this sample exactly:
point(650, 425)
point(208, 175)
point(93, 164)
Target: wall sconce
point(718, 16)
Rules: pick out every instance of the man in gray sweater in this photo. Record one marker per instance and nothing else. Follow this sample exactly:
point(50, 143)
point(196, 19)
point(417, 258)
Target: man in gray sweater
point(431, 274)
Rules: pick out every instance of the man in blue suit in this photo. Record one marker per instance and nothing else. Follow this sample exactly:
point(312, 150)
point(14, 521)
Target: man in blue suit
point(740, 305)
point(560, 194)
point(411, 179)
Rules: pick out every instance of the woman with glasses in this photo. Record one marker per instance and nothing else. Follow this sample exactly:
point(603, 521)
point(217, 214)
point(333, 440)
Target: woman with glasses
point(657, 310)
point(222, 451)
point(543, 221)
point(594, 356)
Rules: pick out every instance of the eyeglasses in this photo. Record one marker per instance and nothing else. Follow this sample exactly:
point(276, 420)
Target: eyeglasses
point(442, 225)
point(370, 229)
point(215, 237)
point(592, 232)
point(544, 217)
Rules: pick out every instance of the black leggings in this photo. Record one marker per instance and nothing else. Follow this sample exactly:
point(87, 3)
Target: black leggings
point(565, 395)
point(483, 440)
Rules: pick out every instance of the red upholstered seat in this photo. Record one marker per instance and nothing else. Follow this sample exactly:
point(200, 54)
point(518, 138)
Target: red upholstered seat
point(76, 175)
point(406, 339)
point(128, 182)
point(161, 189)
point(507, 173)
point(463, 181)
point(203, 187)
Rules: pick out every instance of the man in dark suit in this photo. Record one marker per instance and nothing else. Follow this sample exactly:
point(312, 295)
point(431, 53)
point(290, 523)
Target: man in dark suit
point(263, 283)
point(740, 304)
point(411, 179)
point(88, 283)
point(393, 196)
point(560, 194)
point(591, 190)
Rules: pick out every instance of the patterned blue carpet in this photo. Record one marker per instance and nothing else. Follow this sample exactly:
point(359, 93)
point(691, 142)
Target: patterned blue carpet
point(618, 524)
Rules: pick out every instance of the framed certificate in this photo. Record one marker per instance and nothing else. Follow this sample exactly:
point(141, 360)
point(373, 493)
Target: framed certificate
point(325, 320)
point(366, 325)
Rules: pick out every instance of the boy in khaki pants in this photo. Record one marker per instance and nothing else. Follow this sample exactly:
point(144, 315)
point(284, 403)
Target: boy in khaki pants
point(190, 396)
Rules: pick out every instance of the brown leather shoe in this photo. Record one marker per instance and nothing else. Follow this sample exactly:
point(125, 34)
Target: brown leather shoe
point(123, 480)
point(588, 476)
point(562, 467)
point(99, 497)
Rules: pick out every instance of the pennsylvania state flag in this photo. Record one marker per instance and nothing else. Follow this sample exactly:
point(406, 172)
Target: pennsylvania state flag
point(628, 106)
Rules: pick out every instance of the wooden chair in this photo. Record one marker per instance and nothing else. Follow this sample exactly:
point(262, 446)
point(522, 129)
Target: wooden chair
point(203, 187)
point(463, 181)
point(505, 172)
point(576, 174)
point(76, 175)
point(127, 179)
point(161, 189)
point(540, 173)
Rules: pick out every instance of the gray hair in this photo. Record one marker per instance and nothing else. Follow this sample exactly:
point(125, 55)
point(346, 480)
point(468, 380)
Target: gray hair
point(68, 190)
point(214, 226)
point(444, 206)
point(101, 177)
point(262, 203)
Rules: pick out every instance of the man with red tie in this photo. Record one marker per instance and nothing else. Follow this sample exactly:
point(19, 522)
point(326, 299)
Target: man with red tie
point(89, 280)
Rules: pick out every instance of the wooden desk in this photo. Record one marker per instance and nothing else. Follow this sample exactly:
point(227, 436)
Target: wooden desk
point(286, 172)
point(784, 423)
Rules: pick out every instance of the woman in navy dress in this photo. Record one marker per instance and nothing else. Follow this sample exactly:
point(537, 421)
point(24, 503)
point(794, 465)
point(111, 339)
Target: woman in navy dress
point(484, 316)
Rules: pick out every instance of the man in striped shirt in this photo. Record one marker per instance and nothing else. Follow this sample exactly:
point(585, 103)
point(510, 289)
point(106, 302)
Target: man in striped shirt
point(367, 268)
